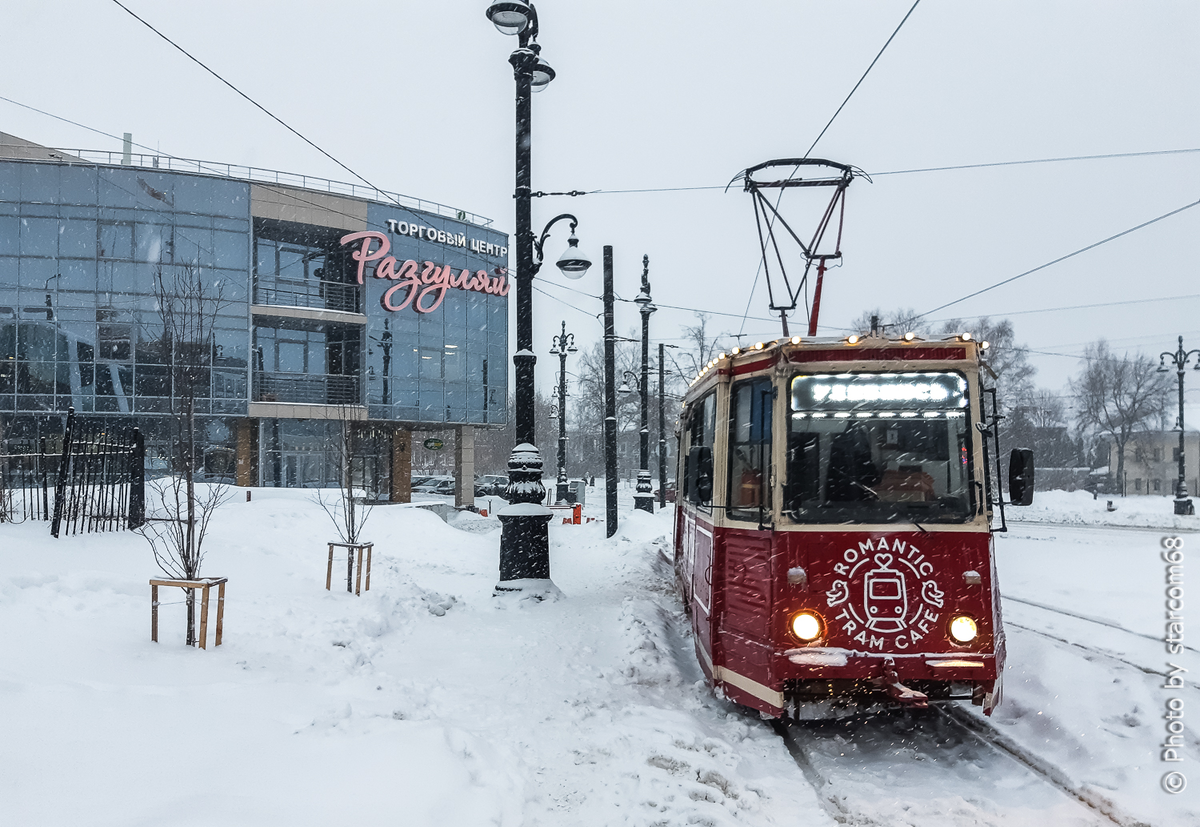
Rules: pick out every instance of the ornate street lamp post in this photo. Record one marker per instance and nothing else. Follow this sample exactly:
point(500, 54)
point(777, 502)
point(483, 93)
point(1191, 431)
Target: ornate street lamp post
point(1180, 359)
point(524, 546)
point(564, 343)
point(643, 497)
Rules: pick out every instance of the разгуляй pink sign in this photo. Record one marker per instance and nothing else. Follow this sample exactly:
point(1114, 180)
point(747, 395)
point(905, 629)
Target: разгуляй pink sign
point(423, 287)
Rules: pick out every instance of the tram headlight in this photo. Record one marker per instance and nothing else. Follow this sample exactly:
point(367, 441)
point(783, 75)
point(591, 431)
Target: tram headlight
point(806, 626)
point(963, 629)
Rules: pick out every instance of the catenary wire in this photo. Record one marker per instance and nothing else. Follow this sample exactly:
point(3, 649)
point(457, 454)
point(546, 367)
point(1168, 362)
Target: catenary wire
point(1061, 258)
point(291, 191)
point(864, 77)
point(919, 170)
point(771, 223)
point(258, 105)
point(896, 172)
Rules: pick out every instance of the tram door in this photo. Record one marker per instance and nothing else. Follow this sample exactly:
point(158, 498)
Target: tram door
point(745, 566)
point(698, 516)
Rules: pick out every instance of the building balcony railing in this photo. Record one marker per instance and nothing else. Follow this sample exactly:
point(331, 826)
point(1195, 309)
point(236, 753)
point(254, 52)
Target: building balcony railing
point(306, 388)
point(322, 295)
point(271, 176)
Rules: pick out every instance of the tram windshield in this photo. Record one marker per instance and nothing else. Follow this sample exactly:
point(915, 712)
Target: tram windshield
point(878, 448)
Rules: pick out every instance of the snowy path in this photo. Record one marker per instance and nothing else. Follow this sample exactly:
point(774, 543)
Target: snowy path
point(429, 702)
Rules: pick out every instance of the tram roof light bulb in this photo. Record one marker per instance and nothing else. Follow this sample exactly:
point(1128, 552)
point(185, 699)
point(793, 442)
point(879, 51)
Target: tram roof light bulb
point(724, 356)
point(852, 339)
point(984, 345)
point(758, 346)
point(736, 351)
point(966, 337)
point(795, 340)
point(909, 336)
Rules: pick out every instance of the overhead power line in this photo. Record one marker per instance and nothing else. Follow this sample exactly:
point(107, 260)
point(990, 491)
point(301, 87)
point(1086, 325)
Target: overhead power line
point(1061, 159)
point(258, 105)
point(1061, 258)
point(1077, 307)
point(864, 77)
point(953, 168)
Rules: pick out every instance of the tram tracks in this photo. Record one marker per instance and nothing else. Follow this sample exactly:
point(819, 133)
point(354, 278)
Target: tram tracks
point(1087, 648)
point(1097, 621)
point(1051, 774)
point(946, 737)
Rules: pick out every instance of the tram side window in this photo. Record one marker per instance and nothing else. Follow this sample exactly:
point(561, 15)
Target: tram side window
point(750, 450)
point(698, 479)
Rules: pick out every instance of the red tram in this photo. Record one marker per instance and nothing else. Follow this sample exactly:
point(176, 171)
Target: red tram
point(833, 535)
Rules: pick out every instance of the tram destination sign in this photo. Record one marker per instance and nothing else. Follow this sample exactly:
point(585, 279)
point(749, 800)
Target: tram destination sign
point(879, 392)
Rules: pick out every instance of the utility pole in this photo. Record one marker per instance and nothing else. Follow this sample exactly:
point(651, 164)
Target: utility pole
point(662, 429)
point(610, 399)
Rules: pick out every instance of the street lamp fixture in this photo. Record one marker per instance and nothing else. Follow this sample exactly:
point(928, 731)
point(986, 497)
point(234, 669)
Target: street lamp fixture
point(524, 543)
point(626, 389)
point(512, 16)
point(1180, 359)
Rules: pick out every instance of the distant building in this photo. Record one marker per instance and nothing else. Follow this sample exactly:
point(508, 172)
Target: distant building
point(414, 337)
point(1152, 464)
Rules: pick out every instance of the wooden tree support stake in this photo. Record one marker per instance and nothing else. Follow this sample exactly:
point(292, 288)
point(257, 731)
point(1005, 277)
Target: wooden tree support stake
point(353, 584)
point(204, 584)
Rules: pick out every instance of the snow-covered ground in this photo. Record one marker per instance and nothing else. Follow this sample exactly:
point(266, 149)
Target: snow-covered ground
point(427, 701)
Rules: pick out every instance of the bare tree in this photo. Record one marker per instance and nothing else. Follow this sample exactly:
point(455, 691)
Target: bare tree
point(1115, 397)
point(893, 322)
point(1008, 360)
point(179, 513)
point(346, 508)
point(700, 346)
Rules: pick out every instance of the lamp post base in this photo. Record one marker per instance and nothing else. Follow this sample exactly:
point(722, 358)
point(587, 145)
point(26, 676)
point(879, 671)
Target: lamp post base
point(524, 523)
point(643, 499)
point(524, 547)
point(528, 589)
point(1185, 506)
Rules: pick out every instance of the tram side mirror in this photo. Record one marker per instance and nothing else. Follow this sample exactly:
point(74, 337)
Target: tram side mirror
point(1020, 476)
point(700, 474)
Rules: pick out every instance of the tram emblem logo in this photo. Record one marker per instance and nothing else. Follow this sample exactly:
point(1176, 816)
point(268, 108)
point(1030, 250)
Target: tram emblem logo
point(880, 575)
point(885, 599)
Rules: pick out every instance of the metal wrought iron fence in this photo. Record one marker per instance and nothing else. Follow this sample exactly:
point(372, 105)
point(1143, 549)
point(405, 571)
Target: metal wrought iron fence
point(26, 485)
point(101, 482)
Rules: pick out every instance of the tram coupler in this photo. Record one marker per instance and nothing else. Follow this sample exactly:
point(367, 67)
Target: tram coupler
point(889, 682)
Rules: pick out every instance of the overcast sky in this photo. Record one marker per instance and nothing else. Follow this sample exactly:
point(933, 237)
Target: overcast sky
point(418, 98)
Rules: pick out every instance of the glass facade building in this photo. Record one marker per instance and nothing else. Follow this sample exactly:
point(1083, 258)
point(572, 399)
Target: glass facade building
point(309, 320)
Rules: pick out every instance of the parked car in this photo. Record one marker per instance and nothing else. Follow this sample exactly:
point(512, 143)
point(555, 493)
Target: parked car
point(435, 485)
point(491, 485)
point(670, 497)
